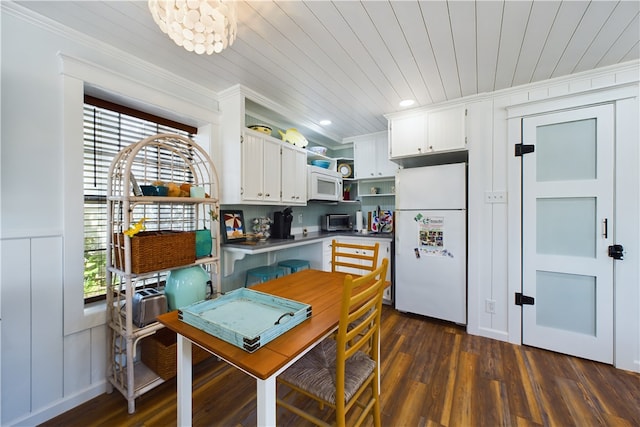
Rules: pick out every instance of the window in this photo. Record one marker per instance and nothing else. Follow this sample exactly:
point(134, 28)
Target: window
point(108, 128)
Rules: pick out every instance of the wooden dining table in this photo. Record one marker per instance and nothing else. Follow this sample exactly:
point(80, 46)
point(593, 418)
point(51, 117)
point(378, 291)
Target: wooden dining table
point(320, 289)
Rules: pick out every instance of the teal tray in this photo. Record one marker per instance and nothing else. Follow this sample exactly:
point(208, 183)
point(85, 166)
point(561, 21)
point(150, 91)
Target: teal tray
point(246, 318)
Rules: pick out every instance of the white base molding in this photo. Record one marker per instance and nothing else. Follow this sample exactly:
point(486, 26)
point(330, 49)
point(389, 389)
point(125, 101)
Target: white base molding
point(61, 406)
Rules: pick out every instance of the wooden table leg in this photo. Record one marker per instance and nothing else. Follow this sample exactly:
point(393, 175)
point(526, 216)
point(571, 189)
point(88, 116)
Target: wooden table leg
point(184, 380)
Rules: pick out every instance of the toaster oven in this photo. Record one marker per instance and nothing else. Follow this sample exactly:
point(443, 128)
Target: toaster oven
point(336, 222)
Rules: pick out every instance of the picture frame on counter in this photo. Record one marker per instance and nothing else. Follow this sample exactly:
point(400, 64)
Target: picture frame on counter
point(233, 226)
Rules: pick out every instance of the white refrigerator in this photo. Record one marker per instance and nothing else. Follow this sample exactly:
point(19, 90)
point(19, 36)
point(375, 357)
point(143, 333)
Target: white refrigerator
point(431, 242)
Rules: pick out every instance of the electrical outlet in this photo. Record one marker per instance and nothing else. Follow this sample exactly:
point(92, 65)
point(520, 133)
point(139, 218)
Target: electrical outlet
point(495, 197)
point(299, 218)
point(490, 306)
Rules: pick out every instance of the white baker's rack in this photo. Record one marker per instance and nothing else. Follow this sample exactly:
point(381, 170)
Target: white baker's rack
point(166, 158)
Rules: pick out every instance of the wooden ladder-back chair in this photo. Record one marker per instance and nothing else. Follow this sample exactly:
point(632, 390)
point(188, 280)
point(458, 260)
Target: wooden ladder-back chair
point(337, 373)
point(352, 258)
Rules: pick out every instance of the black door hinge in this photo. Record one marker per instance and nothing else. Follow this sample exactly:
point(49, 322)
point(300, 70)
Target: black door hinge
point(523, 299)
point(524, 149)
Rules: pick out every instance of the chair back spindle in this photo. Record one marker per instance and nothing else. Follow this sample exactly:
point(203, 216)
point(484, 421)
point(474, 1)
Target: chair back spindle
point(353, 258)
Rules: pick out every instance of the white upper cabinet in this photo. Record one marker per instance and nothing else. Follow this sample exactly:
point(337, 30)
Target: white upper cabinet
point(434, 131)
point(257, 168)
point(408, 135)
point(272, 170)
point(261, 168)
point(371, 156)
point(446, 129)
point(294, 175)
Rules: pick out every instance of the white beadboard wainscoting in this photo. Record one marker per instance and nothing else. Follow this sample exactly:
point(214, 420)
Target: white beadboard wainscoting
point(43, 371)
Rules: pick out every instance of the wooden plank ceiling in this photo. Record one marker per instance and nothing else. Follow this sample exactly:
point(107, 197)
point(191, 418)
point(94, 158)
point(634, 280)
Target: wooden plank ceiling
point(353, 61)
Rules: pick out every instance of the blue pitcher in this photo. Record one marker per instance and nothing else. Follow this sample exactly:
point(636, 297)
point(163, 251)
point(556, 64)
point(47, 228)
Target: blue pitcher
point(185, 286)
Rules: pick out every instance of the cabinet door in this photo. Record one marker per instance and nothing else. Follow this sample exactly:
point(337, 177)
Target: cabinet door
point(300, 178)
point(272, 169)
point(252, 167)
point(294, 175)
point(260, 168)
point(364, 158)
point(385, 252)
point(384, 166)
point(408, 135)
point(446, 129)
point(371, 157)
point(326, 254)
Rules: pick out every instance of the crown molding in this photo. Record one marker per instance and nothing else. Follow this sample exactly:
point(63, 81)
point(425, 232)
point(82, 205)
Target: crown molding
point(118, 60)
point(630, 70)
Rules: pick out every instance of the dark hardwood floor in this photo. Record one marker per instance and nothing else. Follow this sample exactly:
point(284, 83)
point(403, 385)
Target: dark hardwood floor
point(433, 374)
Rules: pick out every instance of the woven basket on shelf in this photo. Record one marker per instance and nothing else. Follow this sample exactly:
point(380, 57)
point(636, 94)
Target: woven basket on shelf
point(159, 352)
point(157, 250)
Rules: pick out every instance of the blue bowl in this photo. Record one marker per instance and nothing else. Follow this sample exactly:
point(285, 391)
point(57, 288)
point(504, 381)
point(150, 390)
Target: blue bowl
point(154, 190)
point(321, 163)
point(162, 190)
point(149, 190)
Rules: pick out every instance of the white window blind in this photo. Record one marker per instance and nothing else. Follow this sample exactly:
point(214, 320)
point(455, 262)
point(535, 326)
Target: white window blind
point(108, 128)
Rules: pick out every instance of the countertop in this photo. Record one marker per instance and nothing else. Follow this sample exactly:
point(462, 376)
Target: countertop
point(300, 239)
point(237, 251)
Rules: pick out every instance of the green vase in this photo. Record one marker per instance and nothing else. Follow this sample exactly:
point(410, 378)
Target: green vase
point(203, 243)
point(185, 286)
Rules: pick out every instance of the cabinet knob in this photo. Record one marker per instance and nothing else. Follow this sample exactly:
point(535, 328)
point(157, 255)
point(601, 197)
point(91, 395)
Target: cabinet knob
point(259, 194)
point(267, 195)
point(431, 147)
point(419, 150)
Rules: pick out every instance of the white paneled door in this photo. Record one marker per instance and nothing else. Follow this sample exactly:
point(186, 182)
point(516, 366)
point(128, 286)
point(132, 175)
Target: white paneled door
point(567, 223)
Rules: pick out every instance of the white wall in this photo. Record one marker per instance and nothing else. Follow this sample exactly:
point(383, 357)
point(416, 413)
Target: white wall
point(53, 348)
point(494, 229)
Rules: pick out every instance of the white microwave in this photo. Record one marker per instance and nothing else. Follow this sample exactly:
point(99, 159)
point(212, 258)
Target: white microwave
point(323, 184)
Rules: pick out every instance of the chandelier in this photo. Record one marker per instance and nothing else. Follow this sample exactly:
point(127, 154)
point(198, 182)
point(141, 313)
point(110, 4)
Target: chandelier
point(200, 26)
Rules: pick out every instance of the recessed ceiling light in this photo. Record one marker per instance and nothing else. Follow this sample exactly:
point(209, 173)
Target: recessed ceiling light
point(407, 102)
point(325, 122)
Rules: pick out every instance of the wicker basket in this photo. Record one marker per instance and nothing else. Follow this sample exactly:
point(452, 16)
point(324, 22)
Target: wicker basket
point(159, 352)
point(156, 250)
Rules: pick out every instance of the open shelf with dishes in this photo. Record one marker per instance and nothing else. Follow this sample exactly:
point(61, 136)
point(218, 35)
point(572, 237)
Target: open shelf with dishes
point(377, 187)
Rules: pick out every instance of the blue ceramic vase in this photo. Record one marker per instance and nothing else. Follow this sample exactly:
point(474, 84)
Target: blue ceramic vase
point(185, 286)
